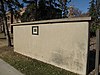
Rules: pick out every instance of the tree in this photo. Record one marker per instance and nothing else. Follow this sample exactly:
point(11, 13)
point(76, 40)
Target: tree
point(13, 6)
point(5, 23)
point(94, 13)
point(98, 8)
point(46, 9)
point(64, 7)
point(54, 9)
point(42, 11)
point(92, 9)
point(30, 13)
point(86, 14)
point(74, 12)
point(10, 5)
point(1, 22)
point(31, 9)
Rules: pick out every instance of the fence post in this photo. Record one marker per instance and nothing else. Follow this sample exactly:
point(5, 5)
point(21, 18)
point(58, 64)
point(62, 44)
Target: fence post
point(97, 52)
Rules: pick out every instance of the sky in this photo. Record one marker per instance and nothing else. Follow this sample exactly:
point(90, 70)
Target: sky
point(83, 5)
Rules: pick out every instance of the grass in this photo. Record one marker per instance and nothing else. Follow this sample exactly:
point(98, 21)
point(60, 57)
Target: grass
point(30, 66)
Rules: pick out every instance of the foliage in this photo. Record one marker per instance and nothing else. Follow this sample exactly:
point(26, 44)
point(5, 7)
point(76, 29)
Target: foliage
point(29, 13)
point(86, 14)
point(93, 12)
point(45, 9)
point(74, 12)
point(92, 9)
point(64, 7)
point(10, 5)
point(98, 7)
point(48, 10)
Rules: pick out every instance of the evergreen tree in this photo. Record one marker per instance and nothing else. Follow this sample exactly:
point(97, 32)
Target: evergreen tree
point(92, 9)
point(64, 7)
point(30, 13)
point(94, 12)
point(45, 9)
point(31, 10)
point(98, 8)
point(48, 9)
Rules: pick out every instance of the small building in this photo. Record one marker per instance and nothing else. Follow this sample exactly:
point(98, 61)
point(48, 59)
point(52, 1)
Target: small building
point(61, 42)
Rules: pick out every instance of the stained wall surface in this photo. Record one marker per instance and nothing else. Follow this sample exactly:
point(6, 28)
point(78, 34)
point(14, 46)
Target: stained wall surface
point(64, 45)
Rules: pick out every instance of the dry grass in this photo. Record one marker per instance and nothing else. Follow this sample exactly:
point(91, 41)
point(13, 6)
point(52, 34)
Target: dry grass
point(29, 66)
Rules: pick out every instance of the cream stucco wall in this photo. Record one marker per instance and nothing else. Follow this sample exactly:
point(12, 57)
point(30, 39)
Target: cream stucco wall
point(61, 44)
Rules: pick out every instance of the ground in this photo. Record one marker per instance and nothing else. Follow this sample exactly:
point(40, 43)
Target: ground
point(27, 65)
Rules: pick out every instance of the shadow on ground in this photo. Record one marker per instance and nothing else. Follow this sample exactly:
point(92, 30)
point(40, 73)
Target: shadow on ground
point(92, 55)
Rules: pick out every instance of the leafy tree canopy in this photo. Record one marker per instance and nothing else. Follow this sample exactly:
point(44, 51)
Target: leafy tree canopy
point(45, 9)
point(94, 12)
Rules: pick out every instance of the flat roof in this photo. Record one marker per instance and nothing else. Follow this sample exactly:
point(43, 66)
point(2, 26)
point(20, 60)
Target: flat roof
point(64, 20)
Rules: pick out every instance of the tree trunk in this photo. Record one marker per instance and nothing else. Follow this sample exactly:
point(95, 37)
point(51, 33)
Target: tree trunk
point(65, 15)
point(12, 16)
point(5, 24)
point(4, 29)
